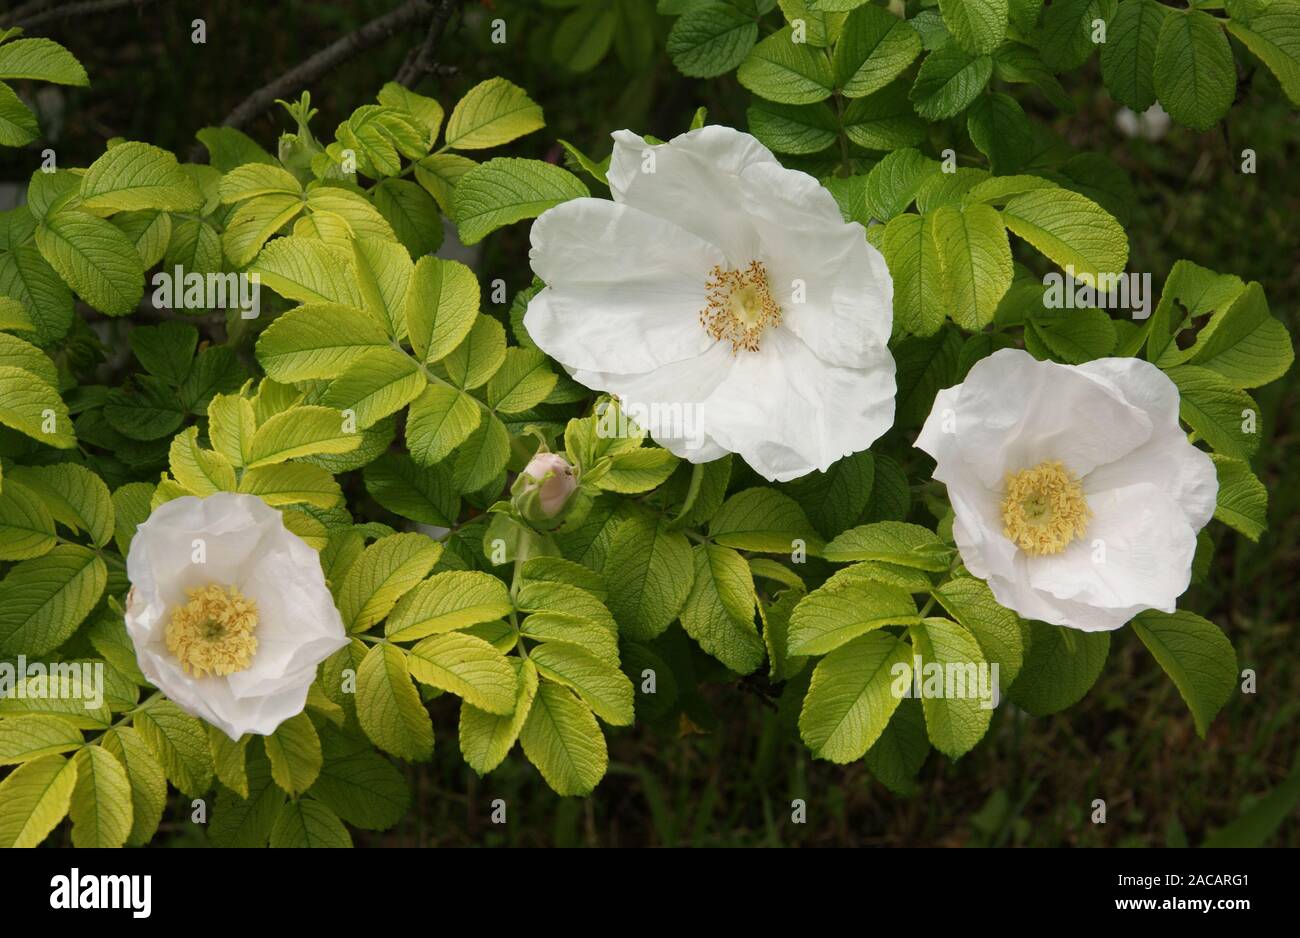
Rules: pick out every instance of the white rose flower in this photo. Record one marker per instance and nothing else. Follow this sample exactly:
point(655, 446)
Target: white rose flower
point(1076, 494)
point(724, 299)
point(229, 611)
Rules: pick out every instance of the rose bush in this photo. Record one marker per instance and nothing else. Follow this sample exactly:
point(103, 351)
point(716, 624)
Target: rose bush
point(693, 434)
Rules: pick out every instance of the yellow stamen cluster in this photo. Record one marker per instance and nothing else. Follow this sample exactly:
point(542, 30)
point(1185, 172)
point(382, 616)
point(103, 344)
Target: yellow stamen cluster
point(740, 306)
point(1044, 509)
point(213, 632)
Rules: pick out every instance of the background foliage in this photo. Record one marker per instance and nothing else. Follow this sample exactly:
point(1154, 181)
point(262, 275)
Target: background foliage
point(723, 764)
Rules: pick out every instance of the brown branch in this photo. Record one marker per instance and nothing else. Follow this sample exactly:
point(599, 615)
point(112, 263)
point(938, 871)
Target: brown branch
point(67, 11)
point(306, 72)
point(420, 61)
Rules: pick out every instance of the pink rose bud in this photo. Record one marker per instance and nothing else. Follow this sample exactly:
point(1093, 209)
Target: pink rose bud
point(545, 486)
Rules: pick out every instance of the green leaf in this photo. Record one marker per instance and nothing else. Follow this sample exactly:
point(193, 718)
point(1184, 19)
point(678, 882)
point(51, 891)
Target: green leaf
point(1058, 670)
point(897, 756)
point(95, 258)
point(996, 628)
point(203, 471)
point(479, 355)
point(851, 696)
point(873, 48)
point(843, 610)
point(383, 272)
point(29, 737)
point(975, 257)
point(18, 126)
point(638, 470)
point(653, 568)
point(896, 542)
point(440, 419)
point(101, 807)
point(1244, 342)
point(978, 25)
point(1128, 57)
point(711, 39)
point(836, 498)
point(883, 120)
point(25, 275)
point(949, 80)
point(389, 707)
point(1066, 35)
point(306, 270)
point(295, 753)
point(229, 759)
point(719, 611)
point(1273, 35)
point(1227, 417)
point(506, 190)
point(1261, 820)
point(797, 129)
point(1073, 336)
point(764, 520)
point(438, 175)
point(301, 431)
point(381, 382)
point(999, 129)
point(387, 570)
point(134, 176)
point(34, 798)
point(1195, 77)
point(44, 600)
point(959, 717)
point(1071, 230)
point(483, 456)
point(421, 493)
point(412, 213)
point(74, 496)
point(491, 113)
point(246, 822)
point(180, 743)
point(41, 60)
point(912, 253)
point(523, 381)
point(360, 786)
point(486, 738)
point(600, 684)
point(788, 72)
point(228, 148)
point(448, 601)
point(304, 822)
point(147, 782)
point(1243, 500)
point(1196, 654)
point(468, 667)
point(562, 738)
point(441, 304)
point(318, 341)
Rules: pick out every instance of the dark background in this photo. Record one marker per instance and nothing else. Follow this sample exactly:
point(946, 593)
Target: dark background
point(1130, 742)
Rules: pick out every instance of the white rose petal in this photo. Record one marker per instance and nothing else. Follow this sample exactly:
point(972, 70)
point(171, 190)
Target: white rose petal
point(1104, 438)
point(232, 541)
point(720, 282)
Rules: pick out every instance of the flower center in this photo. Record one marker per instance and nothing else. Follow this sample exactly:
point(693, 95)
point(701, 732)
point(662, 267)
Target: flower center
point(740, 306)
point(1044, 509)
point(213, 632)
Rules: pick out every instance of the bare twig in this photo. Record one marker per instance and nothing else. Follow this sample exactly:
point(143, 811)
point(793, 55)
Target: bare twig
point(36, 15)
point(303, 74)
point(420, 61)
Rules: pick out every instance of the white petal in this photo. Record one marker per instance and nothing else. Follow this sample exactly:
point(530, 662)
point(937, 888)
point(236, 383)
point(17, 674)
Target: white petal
point(694, 181)
point(833, 288)
point(1168, 459)
point(1015, 412)
point(788, 413)
point(624, 288)
point(1137, 552)
point(670, 400)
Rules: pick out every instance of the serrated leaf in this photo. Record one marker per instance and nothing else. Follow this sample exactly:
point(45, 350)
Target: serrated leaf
point(949, 80)
point(135, 176)
point(600, 684)
point(958, 718)
point(74, 495)
point(295, 753)
point(1273, 34)
point(180, 743)
point(1195, 77)
point(788, 72)
point(95, 258)
point(654, 569)
point(840, 612)
point(440, 419)
point(44, 600)
point(1071, 230)
point(765, 520)
point(523, 381)
point(562, 738)
point(41, 60)
point(465, 666)
point(318, 341)
point(34, 798)
point(977, 25)
point(147, 783)
point(388, 706)
point(711, 39)
point(486, 738)
point(913, 256)
point(304, 822)
point(1128, 57)
point(445, 602)
point(975, 257)
point(24, 738)
point(1243, 500)
point(421, 493)
point(301, 431)
point(851, 696)
point(1226, 416)
point(1194, 653)
point(506, 190)
point(1056, 672)
point(491, 113)
point(360, 786)
point(441, 304)
point(385, 572)
point(101, 806)
point(873, 48)
point(719, 611)
point(996, 628)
